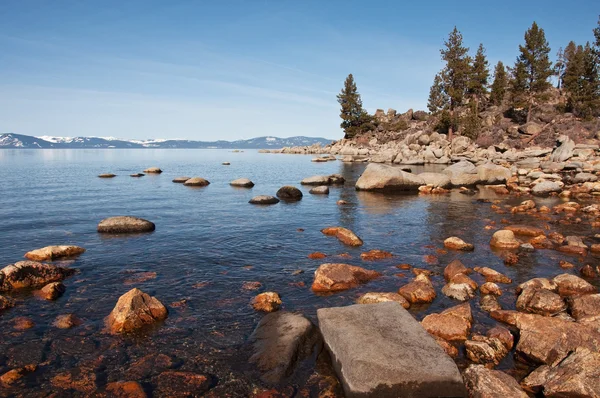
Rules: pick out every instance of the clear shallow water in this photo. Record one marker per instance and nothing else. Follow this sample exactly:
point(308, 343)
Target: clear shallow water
point(208, 242)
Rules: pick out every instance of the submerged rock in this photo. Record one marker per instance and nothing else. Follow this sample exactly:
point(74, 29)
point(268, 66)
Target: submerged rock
point(344, 235)
point(6, 303)
point(180, 180)
point(279, 342)
point(264, 200)
point(176, 383)
point(289, 193)
point(375, 254)
point(126, 389)
point(49, 253)
point(407, 362)
point(335, 277)
point(504, 239)
point(31, 274)
point(67, 321)
point(242, 182)
point(379, 177)
point(134, 310)
point(53, 290)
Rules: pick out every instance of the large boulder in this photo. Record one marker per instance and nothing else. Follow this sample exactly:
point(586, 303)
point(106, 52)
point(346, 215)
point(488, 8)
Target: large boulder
point(125, 225)
point(335, 277)
point(564, 149)
point(546, 188)
point(380, 350)
point(379, 177)
point(289, 193)
point(134, 310)
point(31, 274)
point(437, 180)
point(491, 174)
point(50, 253)
point(462, 173)
point(488, 383)
point(279, 342)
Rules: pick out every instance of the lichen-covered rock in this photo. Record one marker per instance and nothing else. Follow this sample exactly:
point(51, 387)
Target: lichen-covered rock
point(125, 225)
point(50, 253)
point(135, 309)
point(31, 274)
point(335, 277)
point(576, 376)
point(344, 235)
point(126, 389)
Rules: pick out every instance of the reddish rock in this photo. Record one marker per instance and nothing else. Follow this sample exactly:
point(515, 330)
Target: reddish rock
point(267, 302)
point(575, 250)
point(455, 243)
point(588, 271)
point(540, 301)
point(13, 376)
point(317, 256)
point(482, 382)
point(31, 274)
point(541, 242)
point(149, 365)
point(344, 235)
point(538, 283)
point(134, 310)
point(490, 288)
point(251, 285)
point(430, 259)
point(126, 389)
point(504, 239)
point(525, 230)
point(175, 384)
point(140, 277)
point(6, 303)
point(50, 253)
point(419, 291)
point(376, 297)
point(489, 303)
point(566, 265)
point(576, 376)
point(491, 275)
point(454, 268)
point(523, 207)
point(585, 306)
point(373, 255)
point(450, 349)
point(125, 225)
point(52, 291)
point(509, 258)
point(569, 285)
point(334, 277)
point(82, 380)
point(23, 323)
point(485, 350)
point(460, 287)
point(453, 324)
point(502, 334)
point(67, 321)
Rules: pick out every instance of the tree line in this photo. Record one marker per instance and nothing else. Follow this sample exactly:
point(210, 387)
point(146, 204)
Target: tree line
point(462, 88)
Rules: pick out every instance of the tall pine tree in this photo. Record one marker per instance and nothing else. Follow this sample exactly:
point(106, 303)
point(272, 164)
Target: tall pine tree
point(438, 99)
point(478, 79)
point(532, 70)
point(455, 75)
point(581, 81)
point(499, 85)
point(355, 119)
point(597, 38)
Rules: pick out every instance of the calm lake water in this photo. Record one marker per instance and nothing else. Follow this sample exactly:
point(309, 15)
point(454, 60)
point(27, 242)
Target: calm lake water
point(208, 242)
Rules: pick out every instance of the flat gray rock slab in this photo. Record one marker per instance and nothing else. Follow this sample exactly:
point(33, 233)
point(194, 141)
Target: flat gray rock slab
point(380, 350)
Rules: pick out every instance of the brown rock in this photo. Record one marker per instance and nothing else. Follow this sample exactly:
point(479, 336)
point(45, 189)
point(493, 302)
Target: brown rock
point(180, 180)
point(134, 310)
point(569, 285)
point(454, 268)
point(456, 243)
point(486, 383)
point(335, 277)
point(345, 236)
point(460, 287)
point(153, 170)
point(538, 283)
point(175, 384)
point(124, 225)
point(67, 321)
point(509, 258)
point(504, 239)
point(82, 380)
point(52, 291)
point(196, 182)
point(6, 303)
point(31, 274)
point(453, 324)
point(489, 303)
point(251, 285)
point(50, 253)
point(126, 389)
point(490, 288)
point(523, 207)
point(447, 346)
point(588, 271)
point(376, 297)
point(576, 376)
point(373, 255)
point(541, 242)
point(485, 350)
point(566, 265)
point(585, 306)
point(317, 256)
point(502, 334)
point(540, 301)
point(23, 323)
point(149, 365)
point(491, 275)
point(525, 230)
point(13, 376)
point(419, 291)
point(267, 302)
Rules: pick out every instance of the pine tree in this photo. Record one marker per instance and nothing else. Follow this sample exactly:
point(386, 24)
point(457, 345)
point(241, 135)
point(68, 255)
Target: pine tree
point(499, 84)
point(478, 79)
point(597, 38)
point(581, 81)
point(559, 67)
point(438, 99)
point(355, 119)
point(455, 75)
point(532, 70)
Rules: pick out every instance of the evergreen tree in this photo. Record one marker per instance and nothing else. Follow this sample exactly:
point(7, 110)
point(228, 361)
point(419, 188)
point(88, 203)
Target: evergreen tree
point(532, 70)
point(355, 119)
point(581, 81)
point(438, 99)
point(455, 75)
point(478, 79)
point(499, 84)
point(597, 38)
point(559, 67)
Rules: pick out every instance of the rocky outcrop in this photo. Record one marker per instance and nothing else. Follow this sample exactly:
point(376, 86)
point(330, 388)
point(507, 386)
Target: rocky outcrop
point(407, 362)
point(335, 277)
point(344, 235)
point(50, 253)
point(134, 310)
point(379, 177)
point(31, 274)
point(125, 225)
point(279, 342)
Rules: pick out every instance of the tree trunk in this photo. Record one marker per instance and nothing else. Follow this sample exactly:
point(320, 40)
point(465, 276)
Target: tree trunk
point(451, 128)
point(529, 110)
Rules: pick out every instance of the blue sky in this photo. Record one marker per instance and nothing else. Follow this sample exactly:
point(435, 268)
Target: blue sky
point(227, 69)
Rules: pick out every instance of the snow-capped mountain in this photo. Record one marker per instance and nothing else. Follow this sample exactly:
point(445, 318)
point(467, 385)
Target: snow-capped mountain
point(11, 140)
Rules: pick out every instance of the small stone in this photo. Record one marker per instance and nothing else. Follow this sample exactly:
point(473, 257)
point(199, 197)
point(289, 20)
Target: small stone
point(341, 202)
point(485, 350)
point(491, 275)
point(13, 376)
point(455, 243)
point(320, 190)
point(569, 285)
point(344, 235)
point(336, 277)
point(126, 389)
point(23, 323)
point(489, 303)
point(226, 164)
point(251, 285)
point(137, 175)
point(317, 256)
point(490, 288)
point(419, 291)
point(267, 302)
point(373, 255)
point(180, 180)
point(107, 175)
point(504, 239)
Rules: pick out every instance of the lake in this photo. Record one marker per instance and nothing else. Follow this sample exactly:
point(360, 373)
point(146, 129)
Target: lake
point(208, 242)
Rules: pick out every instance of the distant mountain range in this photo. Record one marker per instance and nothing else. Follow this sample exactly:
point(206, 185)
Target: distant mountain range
point(11, 140)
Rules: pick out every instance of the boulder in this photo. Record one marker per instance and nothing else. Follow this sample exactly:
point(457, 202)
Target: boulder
point(564, 149)
point(264, 200)
point(53, 290)
point(452, 324)
point(323, 180)
point(380, 350)
point(196, 182)
point(460, 144)
point(540, 301)
point(545, 188)
point(134, 310)
point(50, 253)
point(436, 180)
point(107, 175)
point(289, 193)
point(320, 190)
point(456, 243)
point(485, 350)
point(180, 180)
point(487, 383)
point(569, 285)
point(504, 239)
point(333, 277)
point(491, 174)
point(585, 306)
point(376, 297)
point(242, 183)
point(125, 225)
point(379, 177)
point(31, 274)
point(267, 302)
point(530, 128)
point(279, 342)
point(419, 291)
point(576, 376)
point(344, 235)
point(491, 275)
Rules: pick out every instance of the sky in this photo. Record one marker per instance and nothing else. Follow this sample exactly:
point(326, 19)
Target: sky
point(230, 69)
